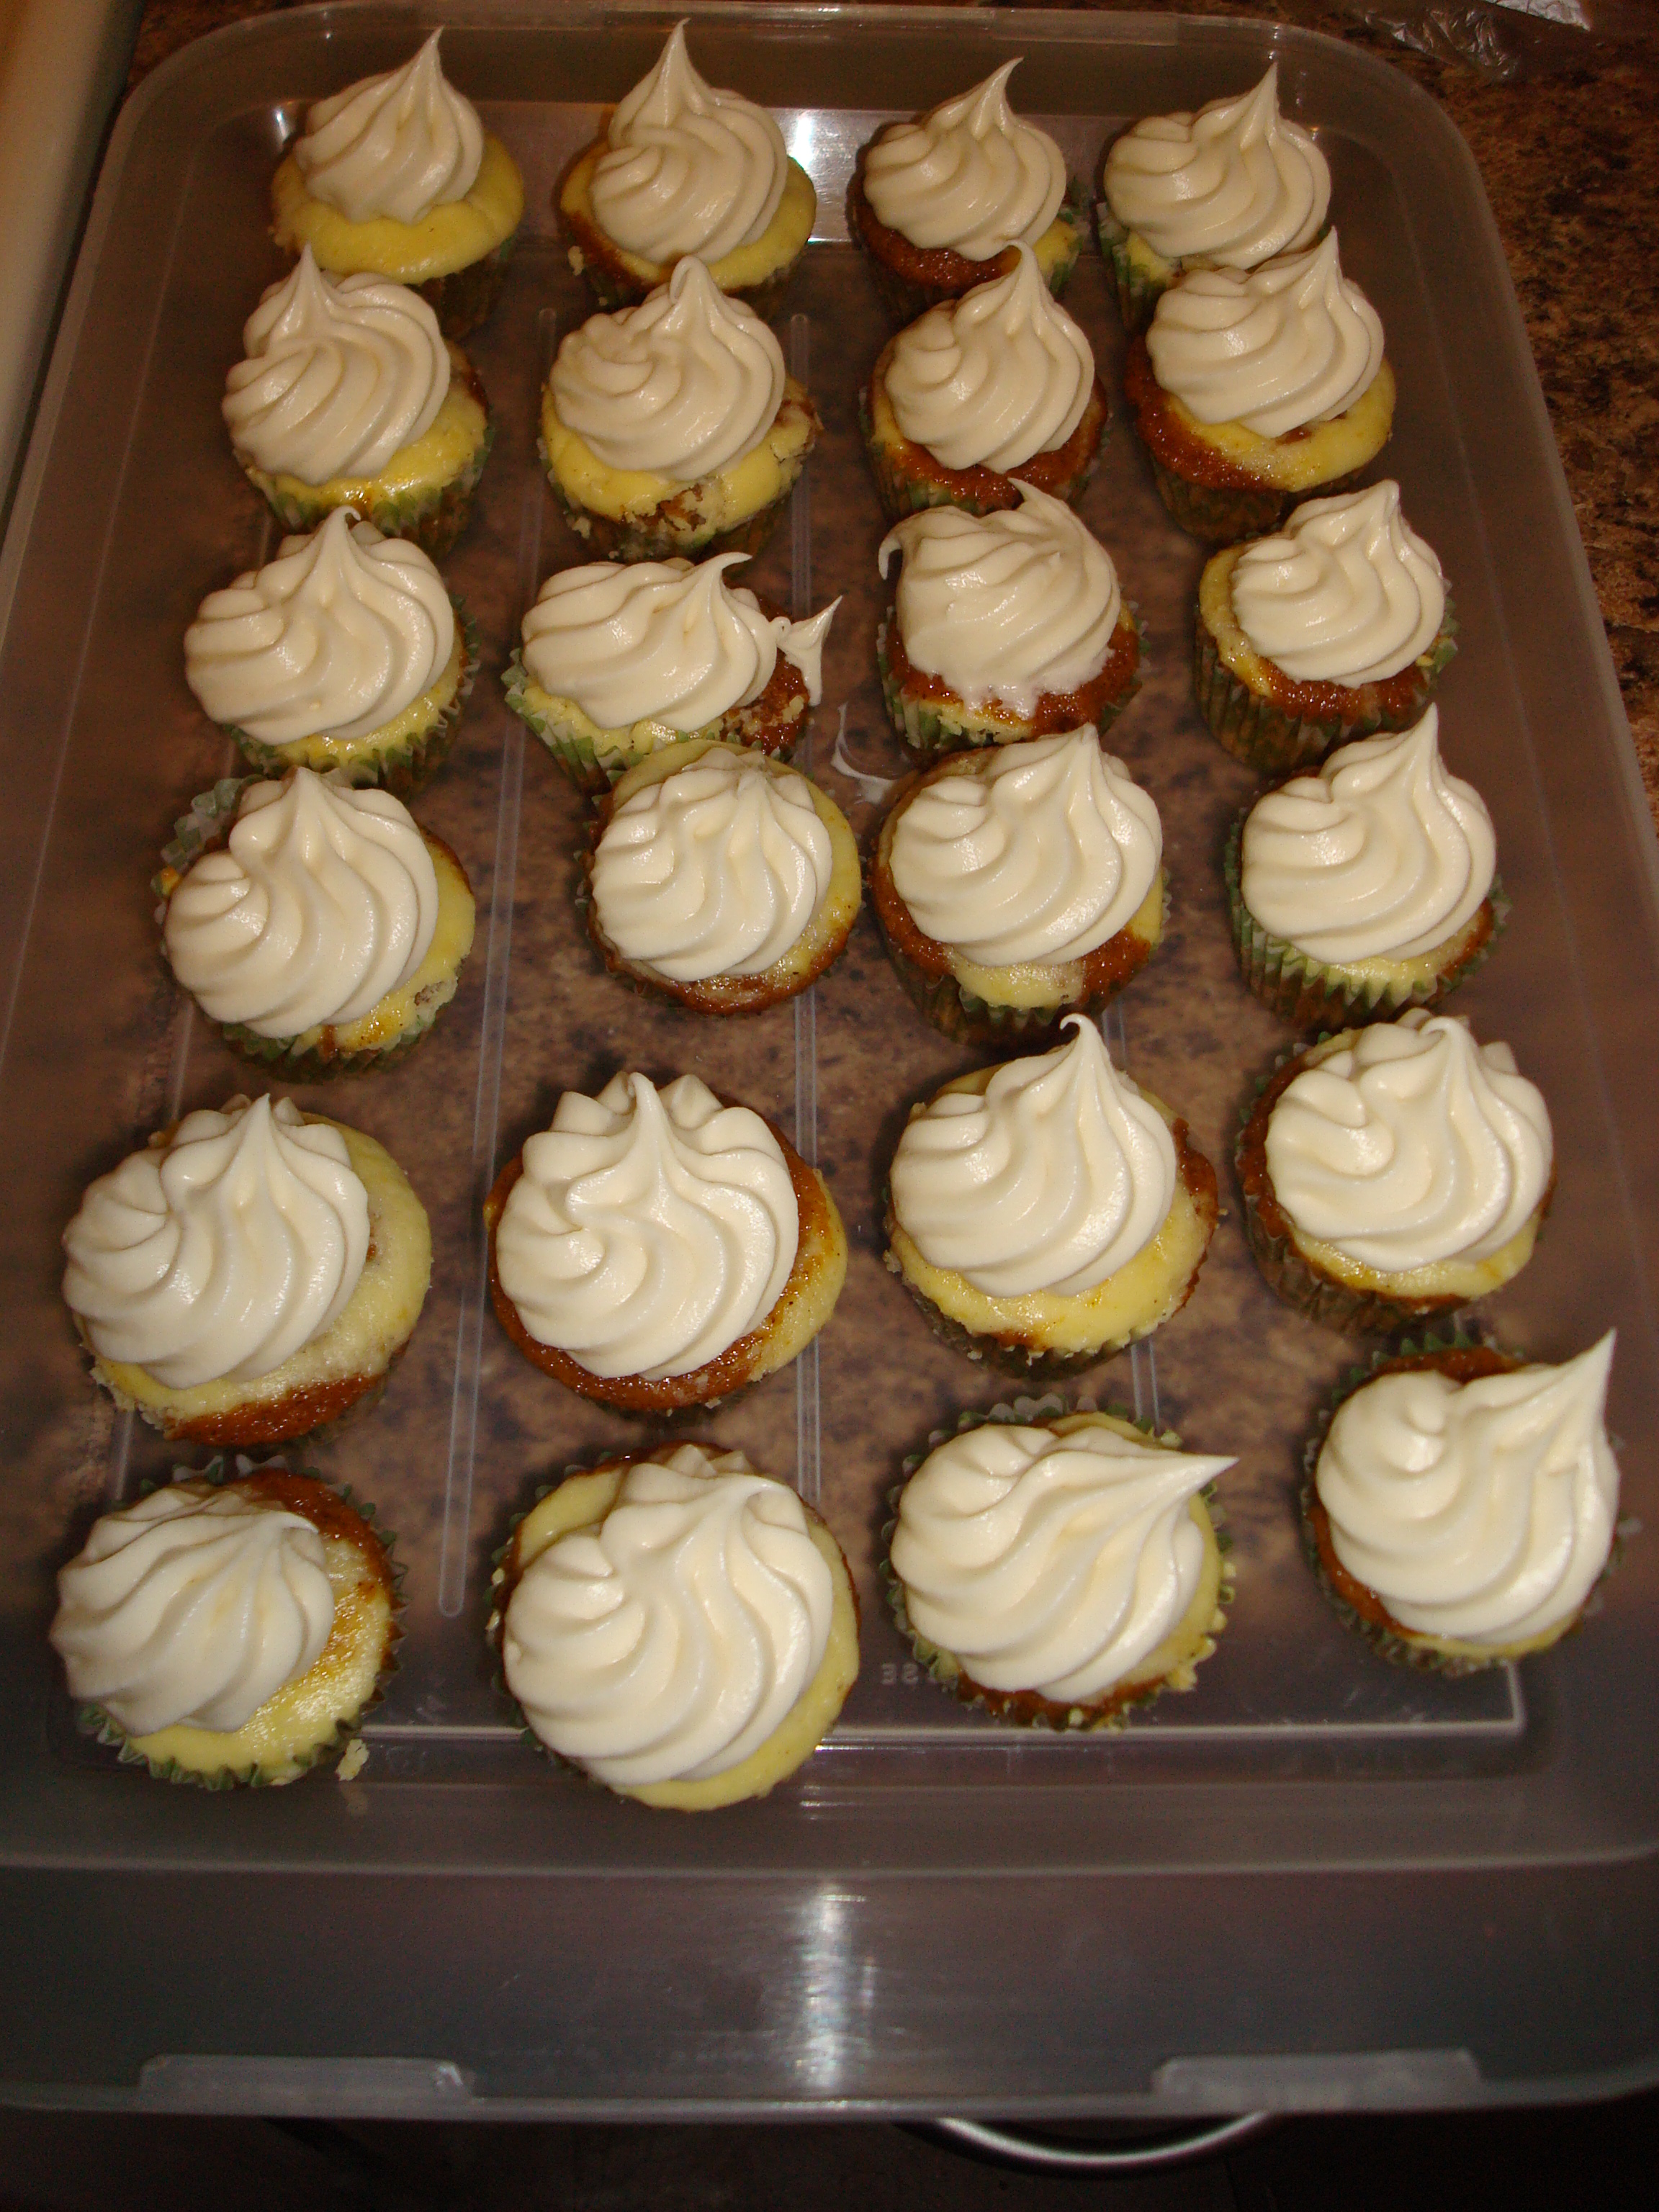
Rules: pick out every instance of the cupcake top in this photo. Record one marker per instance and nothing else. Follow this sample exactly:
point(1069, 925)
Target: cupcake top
point(1229, 187)
point(993, 377)
point(339, 376)
point(1479, 1511)
point(218, 1252)
point(681, 385)
point(687, 169)
point(335, 637)
point(321, 901)
point(395, 145)
point(969, 174)
point(1051, 1179)
point(649, 1229)
point(195, 1604)
point(1346, 592)
point(1381, 854)
point(1276, 347)
point(670, 1640)
point(1043, 856)
point(1004, 607)
point(1409, 1143)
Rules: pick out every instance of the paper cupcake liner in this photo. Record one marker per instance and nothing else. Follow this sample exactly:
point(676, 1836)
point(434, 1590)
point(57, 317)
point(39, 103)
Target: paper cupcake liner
point(932, 726)
point(1223, 513)
point(463, 298)
point(658, 536)
point(432, 517)
point(1138, 290)
point(903, 491)
point(593, 768)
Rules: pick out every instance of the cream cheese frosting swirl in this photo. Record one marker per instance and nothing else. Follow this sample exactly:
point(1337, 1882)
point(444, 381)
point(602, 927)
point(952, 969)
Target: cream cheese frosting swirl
point(194, 1605)
point(1346, 592)
point(1232, 186)
point(1043, 857)
point(1383, 854)
point(335, 637)
point(680, 387)
point(1052, 1179)
point(1004, 607)
point(687, 169)
point(395, 145)
point(969, 175)
point(338, 375)
point(1482, 1512)
point(1291, 342)
point(992, 378)
point(1050, 1563)
point(671, 1640)
point(219, 1255)
point(1411, 1144)
point(649, 1229)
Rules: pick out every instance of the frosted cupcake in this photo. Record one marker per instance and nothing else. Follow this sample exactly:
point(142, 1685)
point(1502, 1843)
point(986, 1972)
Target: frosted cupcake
point(677, 1625)
point(396, 177)
point(672, 427)
point(661, 1249)
point(683, 168)
point(1338, 625)
point(618, 662)
point(1018, 884)
point(350, 397)
point(249, 1275)
point(1046, 1214)
point(1003, 626)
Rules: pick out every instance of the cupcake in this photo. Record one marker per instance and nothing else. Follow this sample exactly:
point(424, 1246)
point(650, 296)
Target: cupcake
point(681, 168)
point(1057, 1573)
point(619, 661)
point(249, 1275)
point(1251, 388)
point(677, 1625)
point(349, 396)
point(1463, 1506)
point(720, 878)
point(396, 177)
point(1366, 888)
point(937, 204)
point(346, 651)
point(1394, 1172)
point(659, 1249)
point(1045, 1213)
point(318, 929)
point(1234, 186)
point(1003, 626)
point(670, 427)
point(994, 388)
point(1018, 884)
point(1336, 626)
point(227, 1632)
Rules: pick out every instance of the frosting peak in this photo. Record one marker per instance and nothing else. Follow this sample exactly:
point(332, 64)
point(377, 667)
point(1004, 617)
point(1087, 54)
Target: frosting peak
point(1346, 592)
point(969, 175)
point(396, 145)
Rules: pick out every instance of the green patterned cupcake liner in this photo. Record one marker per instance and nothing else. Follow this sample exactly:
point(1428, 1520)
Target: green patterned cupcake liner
point(1138, 290)
point(932, 726)
point(658, 536)
point(463, 298)
point(432, 517)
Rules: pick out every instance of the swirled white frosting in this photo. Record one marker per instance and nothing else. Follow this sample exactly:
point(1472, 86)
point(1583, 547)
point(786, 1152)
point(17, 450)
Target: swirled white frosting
point(1291, 342)
point(396, 145)
point(670, 1641)
point(663, 641)
point(969, 174)
point(1044, 856)
point(649, 1229)
point(1482, 1512)
point(992, 378)
point(1052, 1179)
point(1232, 186)
point(1383, 854)
point(1050, 1563)
point(688, 170)
point(681, 385)
point(1410, 1144)
point(219, 1255)
point(1004, 607)
point(335, 637)
point(338, 375)
point(195, 1604)
point(1346, 592)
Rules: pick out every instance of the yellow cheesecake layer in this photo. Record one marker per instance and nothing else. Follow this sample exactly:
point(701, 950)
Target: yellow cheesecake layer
point(441, 454)
point(741, 270)
point(1303, 461)
point(731, 495)
point(449, 236)
point(324, 752)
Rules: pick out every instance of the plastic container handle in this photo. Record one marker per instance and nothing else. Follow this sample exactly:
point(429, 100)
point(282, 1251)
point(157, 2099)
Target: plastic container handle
point(1203, 2136)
